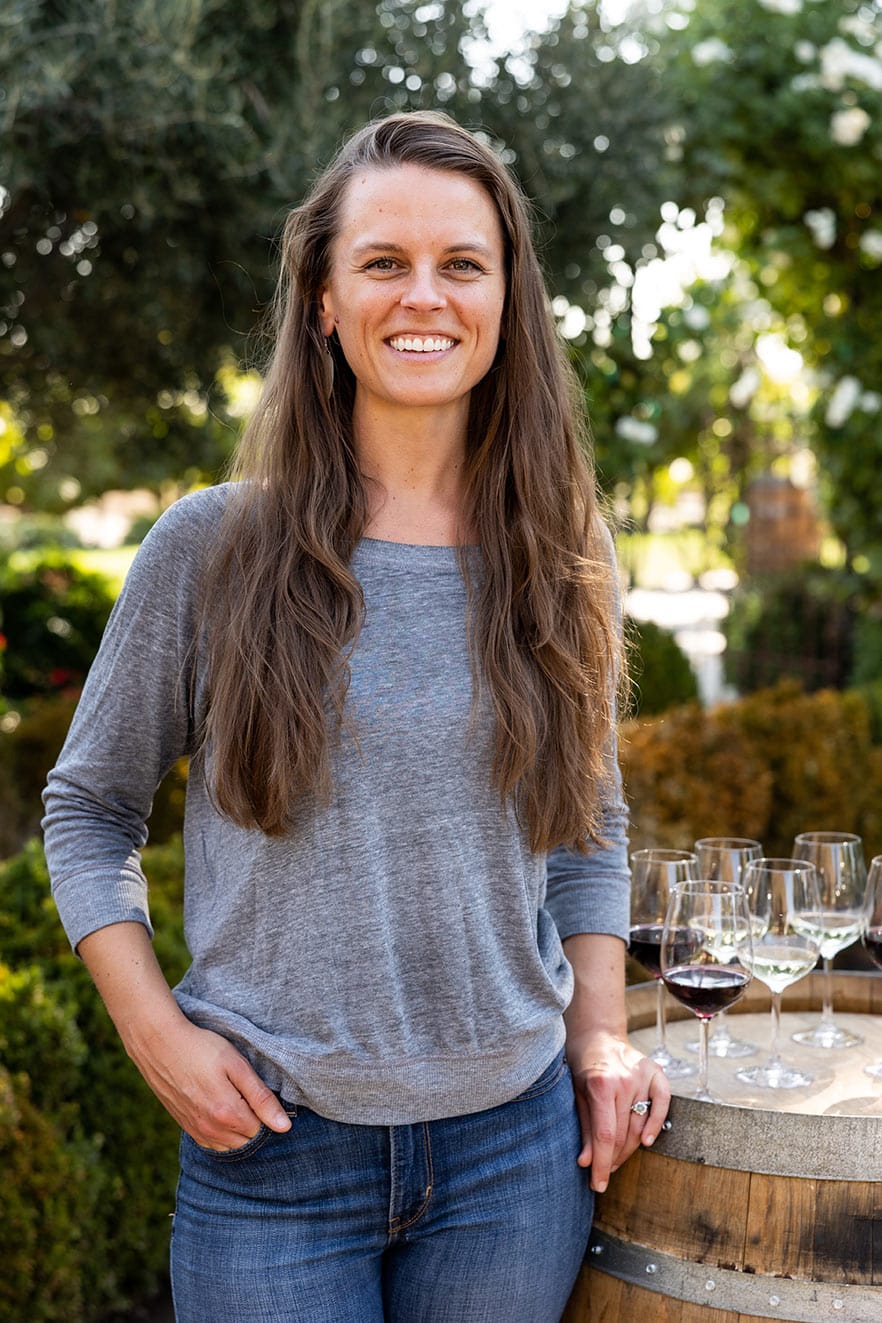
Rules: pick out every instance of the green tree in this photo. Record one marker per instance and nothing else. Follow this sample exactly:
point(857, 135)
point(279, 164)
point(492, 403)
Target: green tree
point(781, 115)
point(148, 155)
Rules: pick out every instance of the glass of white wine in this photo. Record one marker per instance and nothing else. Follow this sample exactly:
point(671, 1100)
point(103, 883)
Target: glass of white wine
point(842, 874)
point(724, 859)
point(779, 893)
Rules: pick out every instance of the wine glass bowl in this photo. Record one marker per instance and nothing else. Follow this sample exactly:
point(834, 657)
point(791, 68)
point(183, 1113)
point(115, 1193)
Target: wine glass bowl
point(780, 892)
point(840, 920)
point(724, 859)
point(705, 954)
point(653, 873)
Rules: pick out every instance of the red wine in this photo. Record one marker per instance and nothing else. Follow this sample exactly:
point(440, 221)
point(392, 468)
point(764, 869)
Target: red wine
point(873, 943)
point(645, 945)
point(706, 989)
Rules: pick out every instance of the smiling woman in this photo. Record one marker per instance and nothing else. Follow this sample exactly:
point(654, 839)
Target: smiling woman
point(390, 649)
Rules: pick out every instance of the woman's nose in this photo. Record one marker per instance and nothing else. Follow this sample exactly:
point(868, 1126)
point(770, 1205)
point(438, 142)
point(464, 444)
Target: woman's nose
point(423, 289)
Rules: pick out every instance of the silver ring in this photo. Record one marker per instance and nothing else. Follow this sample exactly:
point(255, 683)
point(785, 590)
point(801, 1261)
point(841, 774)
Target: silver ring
point(642, 1107)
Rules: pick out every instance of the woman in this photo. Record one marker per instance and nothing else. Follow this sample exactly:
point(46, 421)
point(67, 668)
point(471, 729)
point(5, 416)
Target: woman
point(391, 651)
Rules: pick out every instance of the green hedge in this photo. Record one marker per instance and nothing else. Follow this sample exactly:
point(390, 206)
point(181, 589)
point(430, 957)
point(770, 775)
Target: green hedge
point(89, 1157)
point(660, 674)
point(52, 616)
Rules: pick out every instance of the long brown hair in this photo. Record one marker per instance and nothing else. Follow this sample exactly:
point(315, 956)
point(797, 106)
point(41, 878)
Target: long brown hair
point(285, 607)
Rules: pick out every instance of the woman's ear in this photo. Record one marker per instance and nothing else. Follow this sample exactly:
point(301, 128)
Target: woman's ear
point(326, 311)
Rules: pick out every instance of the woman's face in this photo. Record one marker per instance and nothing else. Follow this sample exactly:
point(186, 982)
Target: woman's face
point(416, 289)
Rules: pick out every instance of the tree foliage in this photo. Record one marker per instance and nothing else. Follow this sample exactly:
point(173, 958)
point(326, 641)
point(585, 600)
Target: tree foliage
point(781, 115)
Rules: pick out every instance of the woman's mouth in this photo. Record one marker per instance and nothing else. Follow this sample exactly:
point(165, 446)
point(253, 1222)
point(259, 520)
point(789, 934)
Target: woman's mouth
point(421, 344)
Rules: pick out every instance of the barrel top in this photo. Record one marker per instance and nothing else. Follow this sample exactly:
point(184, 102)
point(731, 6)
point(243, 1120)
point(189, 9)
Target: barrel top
point(829, 1130)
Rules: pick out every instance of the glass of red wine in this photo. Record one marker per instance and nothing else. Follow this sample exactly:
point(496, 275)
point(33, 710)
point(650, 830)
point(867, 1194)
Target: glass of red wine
point(873, 933)
point(706, 955)
point(725, 858)
point(653, 873)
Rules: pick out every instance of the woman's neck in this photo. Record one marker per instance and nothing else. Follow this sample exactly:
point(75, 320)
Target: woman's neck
point(413, 466)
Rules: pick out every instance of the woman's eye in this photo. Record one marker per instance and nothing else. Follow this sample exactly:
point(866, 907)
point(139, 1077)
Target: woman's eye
point(464, 264)
point(381, 264)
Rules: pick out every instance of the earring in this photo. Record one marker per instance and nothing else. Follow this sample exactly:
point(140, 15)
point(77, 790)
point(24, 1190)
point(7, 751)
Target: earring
point(328, 368)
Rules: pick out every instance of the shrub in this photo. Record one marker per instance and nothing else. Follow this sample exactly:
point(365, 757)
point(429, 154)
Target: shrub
point(795, 625)
point(772, 764)
point(688, 774)
point(660, 673)
point(95, 1155)
point(53, 616)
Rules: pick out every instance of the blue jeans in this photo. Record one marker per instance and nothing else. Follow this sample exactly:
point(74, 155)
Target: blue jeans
point(481, 1218)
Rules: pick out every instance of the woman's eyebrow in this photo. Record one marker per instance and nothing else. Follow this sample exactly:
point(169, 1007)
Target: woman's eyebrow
point(375, 245)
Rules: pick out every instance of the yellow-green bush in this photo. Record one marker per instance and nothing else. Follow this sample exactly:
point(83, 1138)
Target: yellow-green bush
point(88, 1155)
point(772, 764)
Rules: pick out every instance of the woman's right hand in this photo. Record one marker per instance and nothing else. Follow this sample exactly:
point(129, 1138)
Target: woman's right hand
point(209, 1088)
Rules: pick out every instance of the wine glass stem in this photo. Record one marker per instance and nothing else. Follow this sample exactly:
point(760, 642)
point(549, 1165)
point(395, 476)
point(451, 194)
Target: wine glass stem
point(704, 1030)
point(827, 1006)
point(776, 1028)
point(660, 1023)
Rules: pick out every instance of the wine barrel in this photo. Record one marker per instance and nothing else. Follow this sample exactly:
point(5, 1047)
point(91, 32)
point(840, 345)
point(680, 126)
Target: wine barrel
point(759, 1209)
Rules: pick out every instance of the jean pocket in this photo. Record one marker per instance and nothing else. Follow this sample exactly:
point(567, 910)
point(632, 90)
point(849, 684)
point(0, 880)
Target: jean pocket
point(233, 1154)
point(551, 1075)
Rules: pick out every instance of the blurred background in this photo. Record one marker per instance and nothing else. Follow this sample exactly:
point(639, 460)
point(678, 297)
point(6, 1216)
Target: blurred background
point(707, 179)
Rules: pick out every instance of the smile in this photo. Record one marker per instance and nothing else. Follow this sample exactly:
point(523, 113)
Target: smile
point(415, 344)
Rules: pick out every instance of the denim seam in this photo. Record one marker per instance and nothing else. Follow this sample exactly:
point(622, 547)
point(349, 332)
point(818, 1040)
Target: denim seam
point(396, 1225)
point(405, 1226)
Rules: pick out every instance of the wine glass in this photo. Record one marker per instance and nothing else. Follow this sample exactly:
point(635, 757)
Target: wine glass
point(842, 873)
point(780, 892)
point(724, 858)
point(706, 954)
point(873, 933)
point(653, 873)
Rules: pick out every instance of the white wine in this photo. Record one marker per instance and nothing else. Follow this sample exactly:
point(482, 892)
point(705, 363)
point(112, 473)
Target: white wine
point(833, 930)
point(780, 961)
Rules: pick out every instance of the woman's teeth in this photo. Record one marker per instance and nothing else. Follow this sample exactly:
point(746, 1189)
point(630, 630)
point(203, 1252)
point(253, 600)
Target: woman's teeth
point(420, 345)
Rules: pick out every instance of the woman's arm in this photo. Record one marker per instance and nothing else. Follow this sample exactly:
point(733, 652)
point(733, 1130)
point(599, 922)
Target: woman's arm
point(201, 1080)
point(608, 1073)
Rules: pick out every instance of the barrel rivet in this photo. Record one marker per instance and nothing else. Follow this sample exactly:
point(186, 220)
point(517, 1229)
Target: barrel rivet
point(838, 1304)
point(710, 1286)
point(652, 1267)
point(774, 1300)
point(596, 1249)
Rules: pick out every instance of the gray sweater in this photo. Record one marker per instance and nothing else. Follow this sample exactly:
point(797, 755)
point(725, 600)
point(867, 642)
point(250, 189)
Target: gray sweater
point(397, 957)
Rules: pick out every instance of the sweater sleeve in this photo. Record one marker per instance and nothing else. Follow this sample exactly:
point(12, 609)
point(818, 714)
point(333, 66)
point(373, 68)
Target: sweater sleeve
point(131, 724)
point(590, 893)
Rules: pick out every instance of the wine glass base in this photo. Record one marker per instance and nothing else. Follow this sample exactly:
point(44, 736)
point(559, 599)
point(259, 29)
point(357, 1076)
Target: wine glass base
point(827, 1035)
point(674, 1067)
point(774, 1075)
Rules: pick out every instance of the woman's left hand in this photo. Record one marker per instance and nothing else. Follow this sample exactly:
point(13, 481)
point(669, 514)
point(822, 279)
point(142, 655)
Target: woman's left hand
point(609, 1076)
